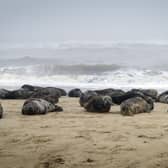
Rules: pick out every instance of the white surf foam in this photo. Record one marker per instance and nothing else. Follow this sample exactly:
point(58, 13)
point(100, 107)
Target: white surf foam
point(124, 78)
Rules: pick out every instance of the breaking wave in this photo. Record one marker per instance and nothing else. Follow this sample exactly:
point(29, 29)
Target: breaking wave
point(83, 76)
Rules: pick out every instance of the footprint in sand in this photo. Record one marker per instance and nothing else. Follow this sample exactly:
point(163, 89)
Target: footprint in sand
point(150, 137)
point(47, 161)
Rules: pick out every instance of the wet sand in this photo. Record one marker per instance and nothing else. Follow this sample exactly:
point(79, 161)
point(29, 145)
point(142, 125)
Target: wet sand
point(77, 139)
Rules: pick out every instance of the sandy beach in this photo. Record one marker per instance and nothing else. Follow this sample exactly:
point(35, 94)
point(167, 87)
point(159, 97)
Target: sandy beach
point(78, 139)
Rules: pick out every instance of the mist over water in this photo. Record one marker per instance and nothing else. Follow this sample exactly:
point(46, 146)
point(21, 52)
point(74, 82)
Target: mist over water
point(139, 54)
point(86, 65)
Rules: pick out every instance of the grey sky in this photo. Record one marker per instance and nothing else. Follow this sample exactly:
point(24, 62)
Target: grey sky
point(26, 21)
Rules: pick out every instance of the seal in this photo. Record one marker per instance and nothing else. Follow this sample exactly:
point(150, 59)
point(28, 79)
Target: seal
point(85, 97)
point(75, 93)
point(135, 105)
point(38, 106)
point(1, 111)
point(98, 104)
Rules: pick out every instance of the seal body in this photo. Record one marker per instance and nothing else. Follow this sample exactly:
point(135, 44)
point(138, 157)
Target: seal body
point(37, 106)
point(134, 106)
point(1, 111)
point(75, 93)
point(86, 96)
point(98, 104)
point(163, 97)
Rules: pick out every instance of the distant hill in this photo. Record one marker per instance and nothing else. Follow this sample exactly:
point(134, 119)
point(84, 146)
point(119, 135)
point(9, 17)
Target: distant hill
point(23, 61)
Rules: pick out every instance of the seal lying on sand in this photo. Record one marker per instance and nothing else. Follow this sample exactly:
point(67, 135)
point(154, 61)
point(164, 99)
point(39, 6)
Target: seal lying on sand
point(51, 99)
point(163, 97)
point(110, 92)
point(135, 105)
point(47, 91)
point(85, 97)
point(4, 93)
point(130, 94)
point(38, 106)
point(98, 104)
point(152, 93)
point(1, 111)
point(75, 93)
point(19, 94)
point(30, 87)
point(50, 94)
point(36, 88)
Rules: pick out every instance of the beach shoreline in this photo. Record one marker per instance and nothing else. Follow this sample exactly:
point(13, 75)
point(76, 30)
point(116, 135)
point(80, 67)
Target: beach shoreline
point(75, 138)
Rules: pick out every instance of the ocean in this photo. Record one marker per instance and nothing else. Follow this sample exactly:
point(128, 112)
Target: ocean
point(91, 66)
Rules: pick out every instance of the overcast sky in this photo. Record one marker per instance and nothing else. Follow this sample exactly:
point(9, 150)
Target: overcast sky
point(43, 21)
